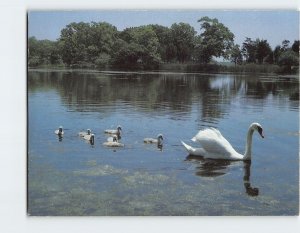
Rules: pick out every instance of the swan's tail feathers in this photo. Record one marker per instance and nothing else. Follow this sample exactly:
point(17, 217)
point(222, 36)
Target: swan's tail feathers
point(194, 139)
point(190, 149)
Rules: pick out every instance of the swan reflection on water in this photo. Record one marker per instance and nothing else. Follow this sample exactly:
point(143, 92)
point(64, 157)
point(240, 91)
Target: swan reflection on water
point(249, 190)
point(60, 137)
point(215, 168)
point(59, 132)
point(160, 147)
point(91, 142)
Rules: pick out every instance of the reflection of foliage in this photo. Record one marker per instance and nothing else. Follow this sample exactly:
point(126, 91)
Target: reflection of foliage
point(173, 93)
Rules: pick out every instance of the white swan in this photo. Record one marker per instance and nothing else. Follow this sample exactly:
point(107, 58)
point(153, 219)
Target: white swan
point(113, 142)
point(83, 133)
point(59, 131)
point(90, 138)
point(215, 146)
point(158, 141)
point(114, 131)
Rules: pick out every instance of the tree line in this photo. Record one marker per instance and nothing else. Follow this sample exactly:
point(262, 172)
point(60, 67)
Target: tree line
point(101, 45)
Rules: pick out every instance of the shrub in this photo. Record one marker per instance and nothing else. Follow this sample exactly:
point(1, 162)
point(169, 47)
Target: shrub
point(288, 59)
point(103, 60)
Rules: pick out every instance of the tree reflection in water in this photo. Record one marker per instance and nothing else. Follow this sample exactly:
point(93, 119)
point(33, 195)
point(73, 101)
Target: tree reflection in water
point(163, 93)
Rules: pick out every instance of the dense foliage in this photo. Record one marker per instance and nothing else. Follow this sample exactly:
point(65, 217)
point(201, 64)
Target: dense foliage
point(215, 40)
point(100, 45)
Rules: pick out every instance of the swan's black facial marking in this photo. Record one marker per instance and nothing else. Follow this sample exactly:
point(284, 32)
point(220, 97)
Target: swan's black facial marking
point(260, 131)
point(160, 137)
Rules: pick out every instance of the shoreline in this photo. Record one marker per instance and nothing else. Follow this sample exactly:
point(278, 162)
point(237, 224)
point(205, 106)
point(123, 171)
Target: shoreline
point(160, 71)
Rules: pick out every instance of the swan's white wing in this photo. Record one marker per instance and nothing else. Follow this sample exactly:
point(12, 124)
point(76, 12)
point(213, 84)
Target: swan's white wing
point(111, 138)
point(113, 144)
point(213, 142)
point(194, 151)
point(111, 131)
point(150, 140)
point(81, 134)
point(57, 132)
point(87, 137)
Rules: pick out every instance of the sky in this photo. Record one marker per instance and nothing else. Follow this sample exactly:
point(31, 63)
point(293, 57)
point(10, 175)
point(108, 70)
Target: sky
point(274, 26)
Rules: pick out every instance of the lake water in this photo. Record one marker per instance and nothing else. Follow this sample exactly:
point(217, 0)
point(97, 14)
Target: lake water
point(73, 177)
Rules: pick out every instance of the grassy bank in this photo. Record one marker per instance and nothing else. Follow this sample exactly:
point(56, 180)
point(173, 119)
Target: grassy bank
point(191, 68)
point(244, 68)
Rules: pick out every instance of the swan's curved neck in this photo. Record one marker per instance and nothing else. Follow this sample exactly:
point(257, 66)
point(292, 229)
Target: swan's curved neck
point(247, 155)
point(159, 141)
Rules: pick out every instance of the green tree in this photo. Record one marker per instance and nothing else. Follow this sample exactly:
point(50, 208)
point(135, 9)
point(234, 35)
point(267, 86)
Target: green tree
point(32, 46)
point(257, 51)
point(138, 47)
point(295, 46)
point(166, 49)
point(285, 45)
point(249, 50)
point(262, 50)
point(288, 59)
point(215, 40)
point(270, 58)
point(276, 54)
point(55, 56)
point(183, 36)
point(43, 52)
point(103, 60)
point(279, 54)
point(73, 41)
point(130, 56)
point(236, 55)
point(84, 42)
point(33, 52)
point(102, 39)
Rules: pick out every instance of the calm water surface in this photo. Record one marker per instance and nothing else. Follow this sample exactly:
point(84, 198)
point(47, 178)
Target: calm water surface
point(72, 177)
